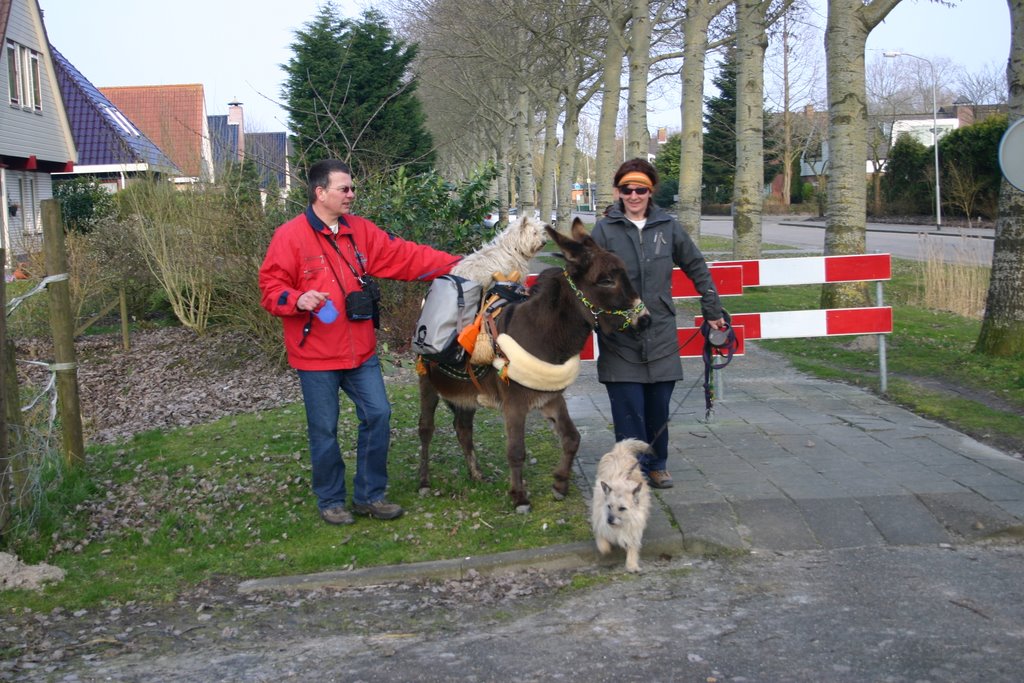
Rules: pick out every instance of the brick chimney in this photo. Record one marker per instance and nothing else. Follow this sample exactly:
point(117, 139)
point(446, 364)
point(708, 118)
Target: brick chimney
point(236, 117)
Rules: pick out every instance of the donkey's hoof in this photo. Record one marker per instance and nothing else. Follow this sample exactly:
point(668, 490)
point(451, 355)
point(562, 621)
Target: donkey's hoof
point(559, 495)
point(523, 509)
point(424, 491)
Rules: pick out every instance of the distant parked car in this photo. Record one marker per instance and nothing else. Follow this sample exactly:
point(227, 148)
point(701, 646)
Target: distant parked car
point(513, 213)
point(491, 219)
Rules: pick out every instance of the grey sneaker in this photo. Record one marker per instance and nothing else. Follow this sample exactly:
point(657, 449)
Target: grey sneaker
point(337, 514)
point(379, 509)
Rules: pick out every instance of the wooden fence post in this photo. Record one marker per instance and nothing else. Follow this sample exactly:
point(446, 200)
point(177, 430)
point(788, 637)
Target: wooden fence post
point(123, 299)
point(62, 325)
point(5, 461)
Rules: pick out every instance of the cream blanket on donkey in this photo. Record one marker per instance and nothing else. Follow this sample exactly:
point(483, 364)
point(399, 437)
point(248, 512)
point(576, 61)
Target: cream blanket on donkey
point(532, 372)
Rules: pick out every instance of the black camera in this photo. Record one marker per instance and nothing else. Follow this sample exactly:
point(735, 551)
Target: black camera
point(365, 303)
point(371, 287)
point(359, 306)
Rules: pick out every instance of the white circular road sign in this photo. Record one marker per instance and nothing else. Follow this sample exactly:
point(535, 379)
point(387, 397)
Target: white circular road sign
point(1011, 154)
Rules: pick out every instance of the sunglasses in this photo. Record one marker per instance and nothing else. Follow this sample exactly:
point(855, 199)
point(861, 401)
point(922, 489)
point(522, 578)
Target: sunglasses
point(631, 190)
point(344, 189)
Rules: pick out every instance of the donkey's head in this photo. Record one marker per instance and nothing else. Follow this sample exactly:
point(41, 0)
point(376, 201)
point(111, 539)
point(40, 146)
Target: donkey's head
point(599, 279)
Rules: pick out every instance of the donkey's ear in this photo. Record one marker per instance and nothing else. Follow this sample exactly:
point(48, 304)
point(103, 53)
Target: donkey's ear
point(574, 248)
point(578, 231)
point(570, 247)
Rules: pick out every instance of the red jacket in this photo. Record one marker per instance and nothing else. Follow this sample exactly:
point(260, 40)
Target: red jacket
point(301, 258)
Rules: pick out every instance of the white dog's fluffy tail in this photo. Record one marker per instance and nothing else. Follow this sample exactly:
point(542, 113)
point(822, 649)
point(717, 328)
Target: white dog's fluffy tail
point(623, 460)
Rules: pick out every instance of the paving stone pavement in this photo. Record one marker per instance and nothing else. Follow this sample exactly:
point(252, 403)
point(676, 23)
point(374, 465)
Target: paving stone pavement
point(790, 462)
point(786, 462)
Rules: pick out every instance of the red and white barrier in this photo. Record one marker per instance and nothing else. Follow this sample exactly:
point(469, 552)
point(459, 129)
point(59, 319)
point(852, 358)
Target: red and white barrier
point(732, 276)
point(816, 323)
point(811, 270)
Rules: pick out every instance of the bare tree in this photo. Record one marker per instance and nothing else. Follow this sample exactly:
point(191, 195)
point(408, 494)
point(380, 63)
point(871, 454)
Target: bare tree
point(696, 22)
point(849, 23)
point(794, 79)
point(637, 135)
point(464, 85)
point(962, 187)
point(985, 86)
point(1002, 328)
point(617, 17)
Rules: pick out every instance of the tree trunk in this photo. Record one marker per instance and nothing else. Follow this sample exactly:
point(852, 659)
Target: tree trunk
point(549, 195)
point(787, 118)
point(846, 33)
point(524, 146)
point(1002, 328)
point(748, 186)
point(567, 162)
point(638, 137)
point(605, 160)
point(699, 14)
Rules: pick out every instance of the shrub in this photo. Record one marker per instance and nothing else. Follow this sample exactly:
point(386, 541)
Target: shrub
point(426, 209)
point(909, 177)
point(84, 202)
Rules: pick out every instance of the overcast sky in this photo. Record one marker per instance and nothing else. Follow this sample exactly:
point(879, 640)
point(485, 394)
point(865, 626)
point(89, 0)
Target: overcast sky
point(235, 49)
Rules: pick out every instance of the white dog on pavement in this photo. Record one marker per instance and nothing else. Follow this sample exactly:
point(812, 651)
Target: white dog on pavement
point(621, 502)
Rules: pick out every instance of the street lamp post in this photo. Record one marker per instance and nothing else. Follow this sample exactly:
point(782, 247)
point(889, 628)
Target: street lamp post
point(935, 134)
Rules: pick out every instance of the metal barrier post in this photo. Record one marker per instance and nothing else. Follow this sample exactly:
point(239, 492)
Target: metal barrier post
point(883, 372)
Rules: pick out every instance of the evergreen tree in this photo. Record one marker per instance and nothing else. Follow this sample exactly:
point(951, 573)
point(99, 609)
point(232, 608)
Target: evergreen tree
point(973, 152)
point(351, 96)
point(908, 180)
point(667, 164)
point(720, 138)
point(241, 184)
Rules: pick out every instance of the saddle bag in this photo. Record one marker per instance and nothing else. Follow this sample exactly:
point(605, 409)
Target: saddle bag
point(451, 303)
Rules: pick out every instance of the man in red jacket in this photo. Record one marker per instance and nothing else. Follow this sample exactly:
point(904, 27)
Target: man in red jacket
point(317, 277)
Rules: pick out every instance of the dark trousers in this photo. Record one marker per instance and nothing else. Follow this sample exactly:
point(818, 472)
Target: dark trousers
point(640, 411)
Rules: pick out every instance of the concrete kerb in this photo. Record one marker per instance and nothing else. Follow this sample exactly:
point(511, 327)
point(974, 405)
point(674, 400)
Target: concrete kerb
point(948, 231)
point(567, 556)
point(662, 539)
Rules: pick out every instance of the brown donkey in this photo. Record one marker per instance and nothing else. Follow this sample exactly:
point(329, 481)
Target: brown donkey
point(538, 346)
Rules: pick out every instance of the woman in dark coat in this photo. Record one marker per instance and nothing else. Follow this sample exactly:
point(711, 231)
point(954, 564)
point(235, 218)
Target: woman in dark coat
point(639, 370)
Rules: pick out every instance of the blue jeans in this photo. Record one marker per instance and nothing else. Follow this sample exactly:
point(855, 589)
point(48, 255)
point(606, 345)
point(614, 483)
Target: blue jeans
point(641, 411)
point(365, 386)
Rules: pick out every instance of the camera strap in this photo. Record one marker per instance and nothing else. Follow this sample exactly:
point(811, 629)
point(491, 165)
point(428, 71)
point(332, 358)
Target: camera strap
point(318, 227)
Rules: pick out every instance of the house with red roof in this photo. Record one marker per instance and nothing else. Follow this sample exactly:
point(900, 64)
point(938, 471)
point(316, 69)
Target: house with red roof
point(35, 135)
point(111, 148)
point(174, 118)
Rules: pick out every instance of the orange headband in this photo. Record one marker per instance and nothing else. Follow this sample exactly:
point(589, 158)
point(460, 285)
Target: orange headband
point(636, 178)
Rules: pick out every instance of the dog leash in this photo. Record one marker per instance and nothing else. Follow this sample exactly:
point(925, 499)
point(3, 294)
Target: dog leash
point(718, 343)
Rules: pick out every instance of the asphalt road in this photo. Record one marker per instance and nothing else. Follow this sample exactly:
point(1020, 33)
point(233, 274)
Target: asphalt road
point(913, 242)
point(892, 614)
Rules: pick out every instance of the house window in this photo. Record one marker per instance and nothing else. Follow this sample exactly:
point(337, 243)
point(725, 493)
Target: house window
point(13, 74)
point(121, 120)
point(34, 80)
point(23, 77)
